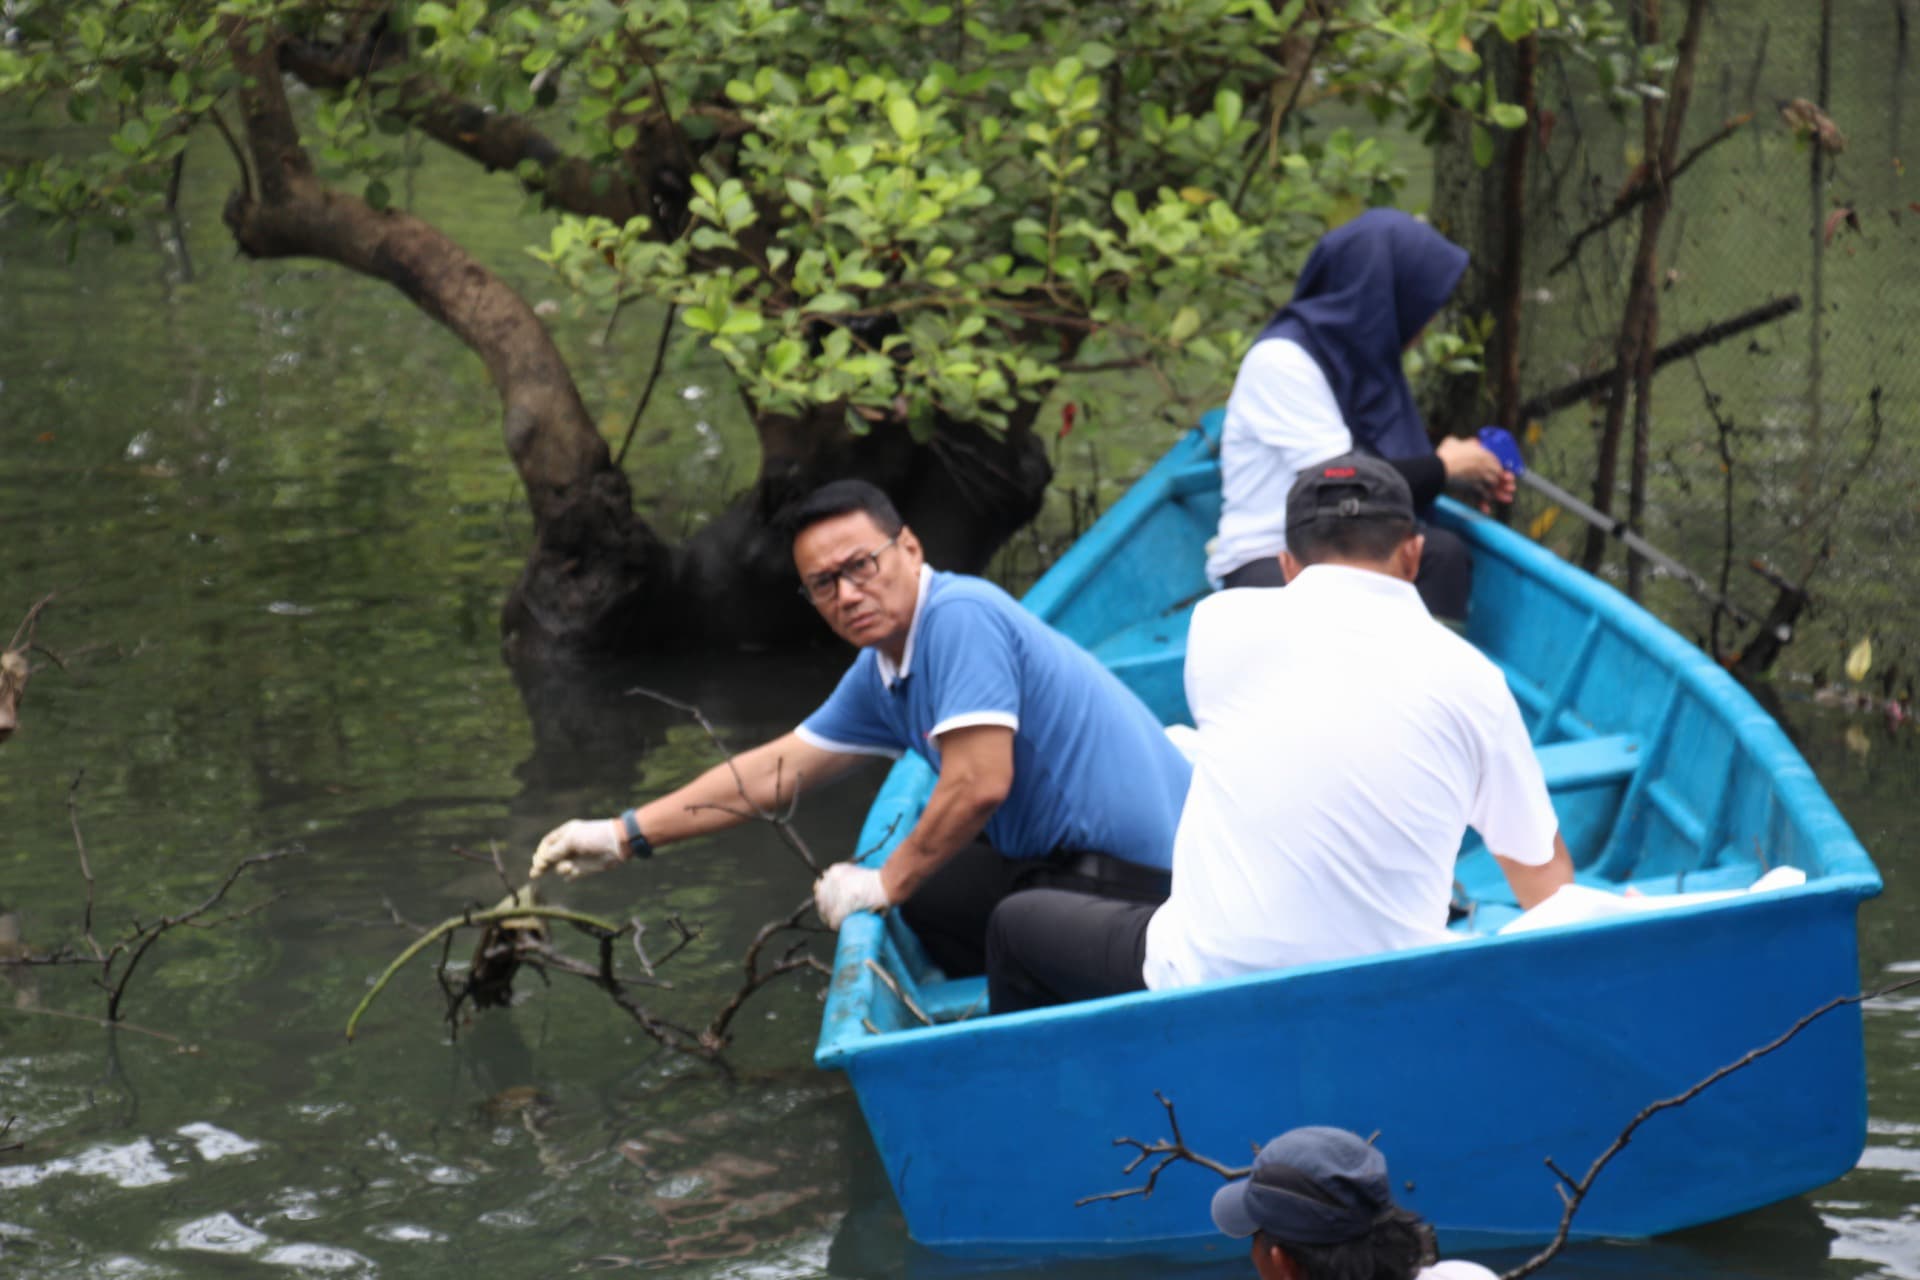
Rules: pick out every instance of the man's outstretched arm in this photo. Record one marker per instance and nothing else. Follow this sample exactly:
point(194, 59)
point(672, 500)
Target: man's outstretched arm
point(771, 774)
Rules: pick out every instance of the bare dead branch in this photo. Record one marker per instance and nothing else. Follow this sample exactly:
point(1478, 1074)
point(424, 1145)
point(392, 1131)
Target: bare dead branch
point(1679, 349)
point(781, 822)
point(715, 1036)
point(145, 936)
point(1640, 191)
point(1170, 1150)
point(5, 1129)
point(86, 871)
point(180, 1046)
point(1576, 1192)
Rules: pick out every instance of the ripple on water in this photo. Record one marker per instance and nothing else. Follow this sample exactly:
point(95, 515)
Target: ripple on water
point(128, 1166)
point(218, 1233)
point(215, 1143)
point(320, 1257)
point(223, 1233)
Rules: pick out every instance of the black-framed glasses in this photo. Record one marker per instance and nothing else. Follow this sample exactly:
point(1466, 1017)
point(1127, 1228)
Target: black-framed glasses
point(860, 570)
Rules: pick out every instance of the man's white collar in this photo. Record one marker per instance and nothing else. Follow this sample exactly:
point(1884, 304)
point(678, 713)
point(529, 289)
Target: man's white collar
point(890, 674)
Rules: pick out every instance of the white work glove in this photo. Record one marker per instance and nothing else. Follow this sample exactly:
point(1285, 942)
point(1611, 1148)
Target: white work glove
point(845, 888)
point(579, 848)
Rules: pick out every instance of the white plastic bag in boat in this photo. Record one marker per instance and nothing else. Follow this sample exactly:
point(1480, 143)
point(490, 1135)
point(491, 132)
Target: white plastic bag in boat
point(1573, 903)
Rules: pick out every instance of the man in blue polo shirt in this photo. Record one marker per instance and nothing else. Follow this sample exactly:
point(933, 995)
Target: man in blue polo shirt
point(1052, 773)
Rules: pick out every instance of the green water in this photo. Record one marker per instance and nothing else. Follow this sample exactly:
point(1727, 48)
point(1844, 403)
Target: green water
point(275, 508)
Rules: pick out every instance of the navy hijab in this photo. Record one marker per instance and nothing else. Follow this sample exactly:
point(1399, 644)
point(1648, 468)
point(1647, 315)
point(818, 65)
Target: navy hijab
point(1367, 289)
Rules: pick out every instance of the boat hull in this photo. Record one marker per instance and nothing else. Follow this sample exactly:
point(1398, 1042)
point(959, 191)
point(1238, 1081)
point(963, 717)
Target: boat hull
point(1475, 1062)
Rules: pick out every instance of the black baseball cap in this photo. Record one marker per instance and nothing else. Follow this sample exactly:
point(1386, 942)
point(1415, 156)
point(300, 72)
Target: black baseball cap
point(1353, 486)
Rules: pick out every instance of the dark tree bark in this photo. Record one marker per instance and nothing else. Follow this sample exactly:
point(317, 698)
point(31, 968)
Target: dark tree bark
point(1639, 322)
point(599, 580)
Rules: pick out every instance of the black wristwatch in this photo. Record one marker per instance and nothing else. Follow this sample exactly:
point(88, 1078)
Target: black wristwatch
point(638, 846)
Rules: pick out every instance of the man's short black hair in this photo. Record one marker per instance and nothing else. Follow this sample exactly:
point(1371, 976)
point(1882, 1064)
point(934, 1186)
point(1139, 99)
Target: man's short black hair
point(1361, 538)
point(839, 498)
point(1399, 1244)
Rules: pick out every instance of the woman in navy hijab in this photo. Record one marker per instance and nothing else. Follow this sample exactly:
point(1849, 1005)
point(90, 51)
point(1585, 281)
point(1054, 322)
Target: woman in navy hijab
point(1324, 378)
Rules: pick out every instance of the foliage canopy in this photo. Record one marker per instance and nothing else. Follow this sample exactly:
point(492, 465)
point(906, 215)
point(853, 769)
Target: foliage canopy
point(902, 209)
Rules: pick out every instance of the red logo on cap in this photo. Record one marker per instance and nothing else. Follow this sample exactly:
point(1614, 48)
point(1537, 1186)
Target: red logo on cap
point(1338, 473)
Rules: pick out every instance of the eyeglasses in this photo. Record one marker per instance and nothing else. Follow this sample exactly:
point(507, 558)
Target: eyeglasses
point(860, 570)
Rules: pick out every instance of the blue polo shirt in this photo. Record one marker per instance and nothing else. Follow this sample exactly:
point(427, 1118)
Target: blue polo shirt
point(1092, 769)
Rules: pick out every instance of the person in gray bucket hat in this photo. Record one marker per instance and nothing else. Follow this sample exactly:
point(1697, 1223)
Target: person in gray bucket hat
point(1318, 1207)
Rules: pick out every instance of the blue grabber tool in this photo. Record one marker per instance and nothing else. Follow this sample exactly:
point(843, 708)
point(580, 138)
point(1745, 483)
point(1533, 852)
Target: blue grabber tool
point(1501, 444)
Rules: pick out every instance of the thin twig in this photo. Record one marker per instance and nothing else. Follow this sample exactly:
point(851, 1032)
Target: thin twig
point(715, 1036)
point(646, 393)
point(781, 824)
point(1640, 192)
point(86, 871)
point(147, 935)
point(892, 984)
point(23, 634)
point(110, 1023)
point(1171, 1150)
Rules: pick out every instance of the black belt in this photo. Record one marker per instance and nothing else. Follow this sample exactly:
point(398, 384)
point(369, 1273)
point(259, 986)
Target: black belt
point(1105, 869)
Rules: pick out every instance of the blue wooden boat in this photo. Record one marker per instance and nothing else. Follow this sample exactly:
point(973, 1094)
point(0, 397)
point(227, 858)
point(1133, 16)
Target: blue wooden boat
point(1473, 1061)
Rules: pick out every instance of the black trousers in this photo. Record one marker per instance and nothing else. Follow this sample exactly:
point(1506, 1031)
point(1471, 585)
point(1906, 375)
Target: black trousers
point(1053, 946)
point(1445, 580)
point(949, 912)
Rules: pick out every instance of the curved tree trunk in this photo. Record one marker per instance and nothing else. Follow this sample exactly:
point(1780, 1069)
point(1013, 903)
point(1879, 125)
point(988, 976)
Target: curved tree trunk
point(598, 578)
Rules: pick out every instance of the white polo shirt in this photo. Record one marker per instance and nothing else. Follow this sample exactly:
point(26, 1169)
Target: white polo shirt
point(1281, 419)
point(1345, 741)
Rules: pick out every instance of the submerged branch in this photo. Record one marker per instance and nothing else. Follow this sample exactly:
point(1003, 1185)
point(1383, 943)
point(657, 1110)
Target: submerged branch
point(446, 928)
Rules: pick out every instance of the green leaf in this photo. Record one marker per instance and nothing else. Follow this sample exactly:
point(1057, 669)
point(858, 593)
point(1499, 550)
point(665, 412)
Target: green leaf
point(377, 194)
point(1482, 146)
point(1508, 115)
point(742, 322)
point(1186, 323)
point(833, 300)
point(904, 117)
point(1517, 19)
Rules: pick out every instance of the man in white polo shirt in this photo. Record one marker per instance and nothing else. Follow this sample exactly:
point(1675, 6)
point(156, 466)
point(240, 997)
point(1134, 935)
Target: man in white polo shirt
point(1345, 741)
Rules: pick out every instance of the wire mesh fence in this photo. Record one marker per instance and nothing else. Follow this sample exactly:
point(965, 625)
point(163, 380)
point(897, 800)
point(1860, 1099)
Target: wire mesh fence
point(1795, 443)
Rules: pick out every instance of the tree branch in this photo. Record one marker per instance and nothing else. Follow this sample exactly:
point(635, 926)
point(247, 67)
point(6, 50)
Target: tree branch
point(1642, 189)
point(501, 141)
point(1678, 349)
